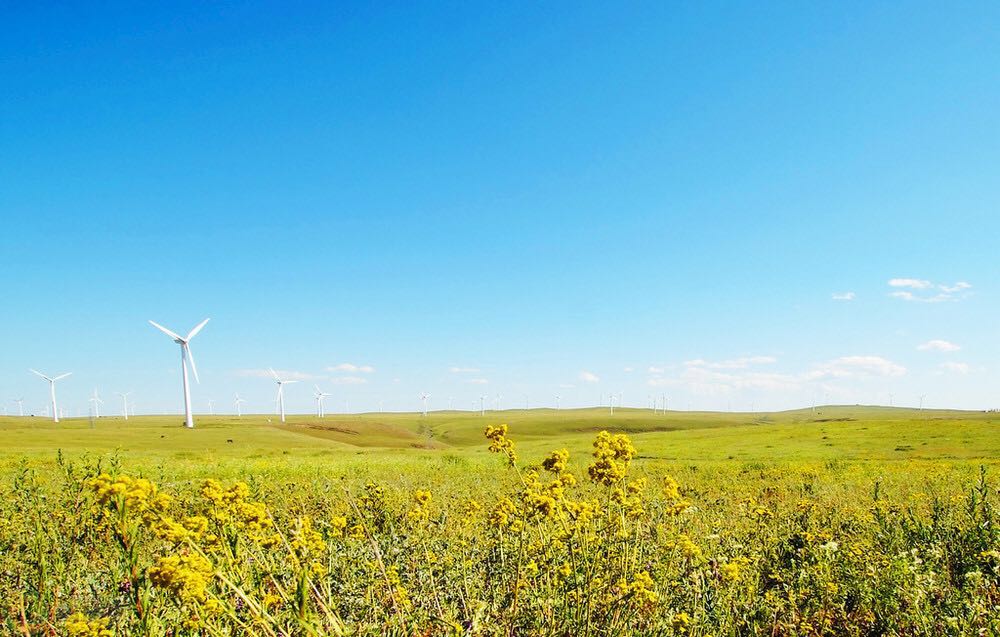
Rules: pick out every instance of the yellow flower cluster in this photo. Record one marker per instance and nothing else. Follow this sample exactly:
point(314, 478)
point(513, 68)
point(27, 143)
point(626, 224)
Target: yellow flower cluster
point(187, 576)
point(641, 588)
point(556, 462)
point(135, 494)
point(419, 511)
point(231, 508)
point(500, 443)
point(77, 625)
point(674, 504)
point(612, 454)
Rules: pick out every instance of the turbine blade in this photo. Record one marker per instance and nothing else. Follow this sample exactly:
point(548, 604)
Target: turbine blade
point(197, 329)
point(40, 374)
point(165, 331)
point(194, 368)
point(274, 373)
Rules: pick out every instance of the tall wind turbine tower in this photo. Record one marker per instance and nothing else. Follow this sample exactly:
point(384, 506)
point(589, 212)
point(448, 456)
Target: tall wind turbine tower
point(124, 403)
point(186, 356)
point(20, 406)
point(424, 397)
point(52, 390)
point(320, 397)
point(211, 407)
point(482, 405)
point(96, 401)
point(558, 402)
point(237, 402)
point(281, 392)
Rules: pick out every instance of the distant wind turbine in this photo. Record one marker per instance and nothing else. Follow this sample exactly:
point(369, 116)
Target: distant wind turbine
point(124, 403)
point(52, 390)
point(499, 398)
point(424, 397)
point(186, 355)
point(211, 407)
point(20, 406)
point(237, 402)
point(281, 392)
point(558, 402)
point(97, 402)
point(320, 397)
point(482, 405)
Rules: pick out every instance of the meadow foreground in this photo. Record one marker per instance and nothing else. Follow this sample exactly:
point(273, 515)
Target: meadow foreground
point(816, 524)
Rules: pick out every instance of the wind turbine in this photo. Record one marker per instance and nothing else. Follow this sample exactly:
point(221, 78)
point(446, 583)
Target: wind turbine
point(558, 400)
point(97, 402)
point(611, 403)
point(185, 343)
point(281, 392)
point(320, 397)
point(52, 390)
point(922, 396)
point(124, 403)
point(499, 397)
point(211, 407)
point(424, 398)
point(20, 406)
point(482, 405)
point(237, 402)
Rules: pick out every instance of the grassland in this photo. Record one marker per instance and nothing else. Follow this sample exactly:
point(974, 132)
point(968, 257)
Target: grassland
point(828, 433)
point(839, 521)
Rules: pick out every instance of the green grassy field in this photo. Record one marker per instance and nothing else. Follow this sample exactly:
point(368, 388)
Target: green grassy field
point(839, 521)
point(854, 433)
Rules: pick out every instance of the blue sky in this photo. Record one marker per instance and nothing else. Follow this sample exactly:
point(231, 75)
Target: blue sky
point(658, 199)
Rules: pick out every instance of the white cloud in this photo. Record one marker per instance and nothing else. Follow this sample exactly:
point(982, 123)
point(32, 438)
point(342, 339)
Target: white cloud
point(566, 386)
point(733, 363)
point(958, 287)
point(928, 292)
point(628, 370)
point(917, 284)
point(350, 367)
point(589, 377)
point(938, 345)
point(478, 381)
point(847, 367)
point(957, 368)
point(463, 370)
point(656, 370)
point(844, 296)
point(283, 374)
point(348, 380)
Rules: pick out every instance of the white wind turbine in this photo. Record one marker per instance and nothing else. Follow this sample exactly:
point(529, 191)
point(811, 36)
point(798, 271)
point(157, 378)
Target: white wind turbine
point(482, 405)
point(320, 397)
point(96, 401)
point(52, 390)
point(558, 401)
point(499, 397)
point(124, 403)
point(211, 407)
point(186, 355)
point(20, 406)
point(281, 392)
point(424, 397)
point(237, 402)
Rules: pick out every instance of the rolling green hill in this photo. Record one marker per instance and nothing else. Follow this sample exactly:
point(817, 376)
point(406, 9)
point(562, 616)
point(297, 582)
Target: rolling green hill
point(841, 432)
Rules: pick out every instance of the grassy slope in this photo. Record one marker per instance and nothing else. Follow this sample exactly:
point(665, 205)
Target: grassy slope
point(832, 432)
